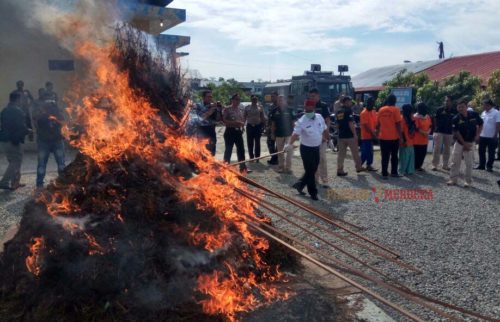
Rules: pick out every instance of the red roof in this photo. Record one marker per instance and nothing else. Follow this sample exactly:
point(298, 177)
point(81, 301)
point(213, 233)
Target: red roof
point(481, 65)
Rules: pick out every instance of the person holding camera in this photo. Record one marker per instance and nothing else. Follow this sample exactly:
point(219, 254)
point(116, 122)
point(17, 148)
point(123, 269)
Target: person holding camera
point(209, 114)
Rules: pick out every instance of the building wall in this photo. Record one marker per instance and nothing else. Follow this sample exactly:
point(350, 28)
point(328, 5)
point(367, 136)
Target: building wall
point(25, 55)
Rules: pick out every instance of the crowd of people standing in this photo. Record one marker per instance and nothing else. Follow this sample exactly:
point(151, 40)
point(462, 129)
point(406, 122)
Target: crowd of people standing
point(402, 133)
point(24, 117)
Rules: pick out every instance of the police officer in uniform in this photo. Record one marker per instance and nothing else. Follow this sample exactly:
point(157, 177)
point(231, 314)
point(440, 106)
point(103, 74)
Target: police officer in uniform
point(312, 131)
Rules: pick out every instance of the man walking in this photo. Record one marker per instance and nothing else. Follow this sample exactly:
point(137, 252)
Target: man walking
point(443, 136)
point(255, 119)
point(271, 141)
point(12, 134)
point(322, 109)
point(368, 119)
point(209, 115)
point(281, 129)
point(466, 128)
point(48, 122)
point(488, 136)
point(389, 132)
point(312, 131)
point(347, 137)
point(234, 120)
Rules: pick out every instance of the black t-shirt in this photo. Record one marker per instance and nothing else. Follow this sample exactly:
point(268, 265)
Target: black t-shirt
point(444, 120)
point(322, 108)
point(344, 116)
point(466, 125)
point(283, 120)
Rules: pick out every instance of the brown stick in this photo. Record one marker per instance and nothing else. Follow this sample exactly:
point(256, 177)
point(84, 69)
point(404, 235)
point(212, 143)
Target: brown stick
point(263, 157)
point(339, 275)
point(317, 236)
point(338, 235)
point(397, 287)
point(314, 212)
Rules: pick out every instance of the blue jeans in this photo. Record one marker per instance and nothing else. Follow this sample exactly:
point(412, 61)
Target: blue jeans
point(367, 152)
point(44, 150)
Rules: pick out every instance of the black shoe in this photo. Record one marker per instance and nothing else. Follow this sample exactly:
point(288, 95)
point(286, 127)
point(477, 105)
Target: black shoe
point(314, 197)
point(489, 169)
point(341, 174)
point(385, 177)
point(498, 182)
point(396, 175)
point(299, 188)
point(478, 168)
point(272, 162)
point(5, 186)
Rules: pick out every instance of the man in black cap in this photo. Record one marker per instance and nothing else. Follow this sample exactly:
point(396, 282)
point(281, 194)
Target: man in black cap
point(209, 115)
point(12, 133)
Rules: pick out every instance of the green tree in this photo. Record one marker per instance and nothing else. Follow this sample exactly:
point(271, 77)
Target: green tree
point(492, 91)
point(462, 85)
point(224, 91)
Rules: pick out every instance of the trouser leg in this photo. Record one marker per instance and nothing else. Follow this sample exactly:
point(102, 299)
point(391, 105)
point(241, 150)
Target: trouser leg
point(438, 139)
point(482, 152)
point(280, 144)
point(323, 170)
point(491, 144)
point(250, 141)
point(394, 156)
point(448, 141)
point(353, 146)
point(228, 143)
point(456, 160)
point(385, 152)
point(468, 166)
point(14, 154)
point(43, 157)
point(240, 148)
point(341, 154)
point(310, 159)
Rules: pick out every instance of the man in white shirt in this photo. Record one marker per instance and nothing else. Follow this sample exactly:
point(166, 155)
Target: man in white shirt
point(488, 136)
point(311, 129)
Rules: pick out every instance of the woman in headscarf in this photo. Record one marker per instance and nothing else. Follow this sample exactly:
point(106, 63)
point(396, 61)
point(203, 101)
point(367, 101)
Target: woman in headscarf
point(423, 126)
point(406, 150)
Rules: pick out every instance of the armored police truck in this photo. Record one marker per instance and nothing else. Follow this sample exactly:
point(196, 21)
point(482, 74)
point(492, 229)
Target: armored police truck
point(330, 86)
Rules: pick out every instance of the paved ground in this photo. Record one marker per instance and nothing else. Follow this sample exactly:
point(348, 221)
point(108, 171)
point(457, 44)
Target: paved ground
point(453, 238)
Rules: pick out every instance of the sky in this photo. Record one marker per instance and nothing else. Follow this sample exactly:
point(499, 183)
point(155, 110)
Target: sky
point(268, 40)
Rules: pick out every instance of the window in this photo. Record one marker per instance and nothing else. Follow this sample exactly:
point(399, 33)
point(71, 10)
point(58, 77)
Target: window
point(61, 65)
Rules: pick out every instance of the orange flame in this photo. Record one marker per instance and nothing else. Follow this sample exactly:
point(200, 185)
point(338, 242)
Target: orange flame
point(33, 260)
point(114, 122)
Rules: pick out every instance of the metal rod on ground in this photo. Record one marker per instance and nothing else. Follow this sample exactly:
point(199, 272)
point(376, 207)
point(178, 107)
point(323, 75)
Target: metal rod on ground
point(337, 235)
point(339, 275)
point(263, 157)
point(354, 258)
point(337, 219)
point(314, 212)
point(397, 287)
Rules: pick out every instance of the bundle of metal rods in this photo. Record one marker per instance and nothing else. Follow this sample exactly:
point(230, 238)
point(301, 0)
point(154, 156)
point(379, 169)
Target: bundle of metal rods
point(339, 268)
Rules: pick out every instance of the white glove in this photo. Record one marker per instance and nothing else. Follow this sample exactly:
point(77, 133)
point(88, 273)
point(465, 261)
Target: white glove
point(288, 148)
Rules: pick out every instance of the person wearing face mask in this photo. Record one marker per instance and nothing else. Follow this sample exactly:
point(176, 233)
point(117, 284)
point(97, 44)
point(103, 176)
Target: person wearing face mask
point(312, 131)
point(368, 119)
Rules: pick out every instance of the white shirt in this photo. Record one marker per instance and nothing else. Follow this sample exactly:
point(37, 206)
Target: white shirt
point(490, 119)
point(309, 130)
